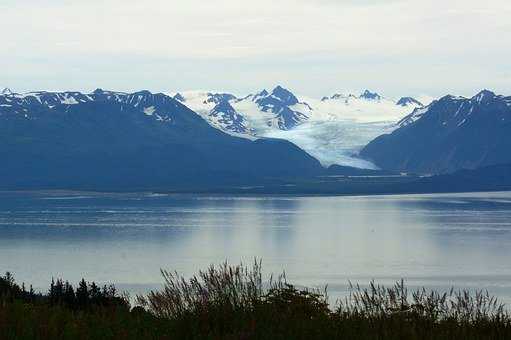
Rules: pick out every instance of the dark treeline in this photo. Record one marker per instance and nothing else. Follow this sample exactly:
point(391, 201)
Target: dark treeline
point(234, 302)
point(62, 294)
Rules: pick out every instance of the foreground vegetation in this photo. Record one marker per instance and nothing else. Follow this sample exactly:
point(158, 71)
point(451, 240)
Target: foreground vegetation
point(233, 302)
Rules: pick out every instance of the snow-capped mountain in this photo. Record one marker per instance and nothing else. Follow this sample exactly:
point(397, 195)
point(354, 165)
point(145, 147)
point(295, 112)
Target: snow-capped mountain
point(287, 111)
point(449, 134)
point(34, 104)
point(262, 111)
point(368, 95)
point(409, 101)
point(179, 97)
point(224, 117)
point(338, 96)
point(116, 140)
point(332, 129)
point(366, 107)
point(6, 92)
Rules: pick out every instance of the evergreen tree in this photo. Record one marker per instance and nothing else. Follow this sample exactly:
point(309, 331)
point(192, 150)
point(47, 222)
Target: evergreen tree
point(82, 293)
point(95, 293)
point(69, 294)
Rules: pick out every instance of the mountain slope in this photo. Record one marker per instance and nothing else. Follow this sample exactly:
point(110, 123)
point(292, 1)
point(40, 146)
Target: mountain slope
point(225, 117)
point(449, 134)
point(122, 141)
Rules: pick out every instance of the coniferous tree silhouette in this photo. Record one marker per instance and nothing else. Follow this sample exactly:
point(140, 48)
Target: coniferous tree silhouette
point(69, 295)
point(95, 294)
point(56, 291)
point(82, 294)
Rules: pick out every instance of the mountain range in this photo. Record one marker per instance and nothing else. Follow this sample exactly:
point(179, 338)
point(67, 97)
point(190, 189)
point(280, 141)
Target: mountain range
point(114, 140)
point(282, 110)
point(332, 129)
point(450, 134)
point(143, 140)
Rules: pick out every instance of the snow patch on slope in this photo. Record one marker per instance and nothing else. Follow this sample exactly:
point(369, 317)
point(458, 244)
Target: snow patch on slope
point(149, 111)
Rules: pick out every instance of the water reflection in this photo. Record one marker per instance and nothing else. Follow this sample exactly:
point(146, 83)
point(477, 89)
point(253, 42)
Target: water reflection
point(432, 240)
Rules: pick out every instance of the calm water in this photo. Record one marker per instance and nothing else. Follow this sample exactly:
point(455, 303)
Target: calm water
point(432, 240)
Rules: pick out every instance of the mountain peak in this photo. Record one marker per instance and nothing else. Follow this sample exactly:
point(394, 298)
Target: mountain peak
point(449, 97)
point(338, 96)
point(284, 95)
point(223, 106)
point(7, 91)
point(217, 98)
point(263, 93)
point(228, 118)
point(405, 101)
point(179, 97)
point(370, 95)
point(143, 93)
point(484, 95)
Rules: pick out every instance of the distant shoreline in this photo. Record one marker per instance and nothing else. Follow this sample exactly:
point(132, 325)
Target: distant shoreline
point(240, 193)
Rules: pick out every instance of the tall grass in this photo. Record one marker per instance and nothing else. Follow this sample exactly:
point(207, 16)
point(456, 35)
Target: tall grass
point(378, 301)
point(236, 288)
point(236, 302)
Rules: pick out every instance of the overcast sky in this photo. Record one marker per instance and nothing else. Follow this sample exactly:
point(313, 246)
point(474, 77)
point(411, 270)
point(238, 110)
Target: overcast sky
point(314, 47)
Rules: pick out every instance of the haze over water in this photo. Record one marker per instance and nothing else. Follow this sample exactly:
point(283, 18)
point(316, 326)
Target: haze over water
point(461, 240)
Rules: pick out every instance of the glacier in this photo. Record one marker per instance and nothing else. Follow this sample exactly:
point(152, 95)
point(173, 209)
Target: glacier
point(332, 129)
